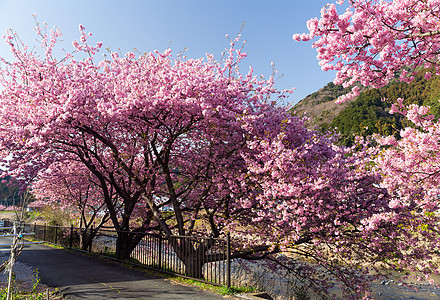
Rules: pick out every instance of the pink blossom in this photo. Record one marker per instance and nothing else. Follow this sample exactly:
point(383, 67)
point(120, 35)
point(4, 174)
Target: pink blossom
point(404, 33)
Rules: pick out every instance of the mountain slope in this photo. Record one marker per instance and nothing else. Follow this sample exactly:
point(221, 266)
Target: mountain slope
point(320, 106)
point(369, 112)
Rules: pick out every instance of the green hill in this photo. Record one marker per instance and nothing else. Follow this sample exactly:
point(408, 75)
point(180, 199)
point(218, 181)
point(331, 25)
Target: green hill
point(320, 106)
point(369, 112)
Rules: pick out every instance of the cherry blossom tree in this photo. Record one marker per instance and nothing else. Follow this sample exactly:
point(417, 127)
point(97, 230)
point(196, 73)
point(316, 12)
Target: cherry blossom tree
point(70, 186)
point(316, 201)
point(410, 171)
point(410, 164)
point(373, 42)
point(158, 131)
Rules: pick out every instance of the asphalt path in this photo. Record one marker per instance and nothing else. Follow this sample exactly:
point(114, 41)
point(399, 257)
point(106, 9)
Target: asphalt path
point(80, 276)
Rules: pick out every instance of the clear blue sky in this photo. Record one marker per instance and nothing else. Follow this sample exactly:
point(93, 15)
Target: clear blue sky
point(199, 25)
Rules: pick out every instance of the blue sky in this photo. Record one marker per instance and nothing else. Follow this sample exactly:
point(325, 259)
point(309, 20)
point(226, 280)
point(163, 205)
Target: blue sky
point(200, 26)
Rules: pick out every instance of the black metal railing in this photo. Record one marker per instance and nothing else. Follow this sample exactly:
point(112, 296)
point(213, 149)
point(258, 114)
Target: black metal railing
point(204, 259)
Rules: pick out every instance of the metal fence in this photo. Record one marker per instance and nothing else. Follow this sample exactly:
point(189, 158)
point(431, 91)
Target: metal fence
point(154, 251)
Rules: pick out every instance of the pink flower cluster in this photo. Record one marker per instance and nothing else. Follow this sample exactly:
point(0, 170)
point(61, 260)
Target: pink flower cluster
point(373, 40)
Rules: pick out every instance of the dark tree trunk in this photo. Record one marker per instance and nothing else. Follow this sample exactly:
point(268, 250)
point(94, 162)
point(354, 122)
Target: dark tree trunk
point(194, 266)
point(122, 248)
point(86, 237)
point(126, 243)
point(193, 253)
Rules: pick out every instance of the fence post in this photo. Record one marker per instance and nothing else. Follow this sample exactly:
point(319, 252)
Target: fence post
point(35, 227)
point(160, 252)
point(44, 232)
point(118, 246)
point(71, 236)
point(56, 234)
point(228, 260)
point(91, 238)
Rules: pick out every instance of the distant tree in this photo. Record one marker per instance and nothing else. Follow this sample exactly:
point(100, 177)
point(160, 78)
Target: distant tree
point(70, 186)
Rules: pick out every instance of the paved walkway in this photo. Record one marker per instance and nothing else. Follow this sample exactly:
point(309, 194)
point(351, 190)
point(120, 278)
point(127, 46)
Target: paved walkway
point(79, 276)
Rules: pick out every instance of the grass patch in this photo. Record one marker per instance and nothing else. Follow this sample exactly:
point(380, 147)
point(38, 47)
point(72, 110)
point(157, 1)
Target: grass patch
point(29, 239)
point(23, 295)
point(237, 290)
point(22, 292)
point(54, 246)
point(222, 290)
point(31, 216)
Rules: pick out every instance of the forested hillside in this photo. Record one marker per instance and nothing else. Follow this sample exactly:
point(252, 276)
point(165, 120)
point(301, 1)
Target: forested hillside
point(320, 106)
point(369, 112)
